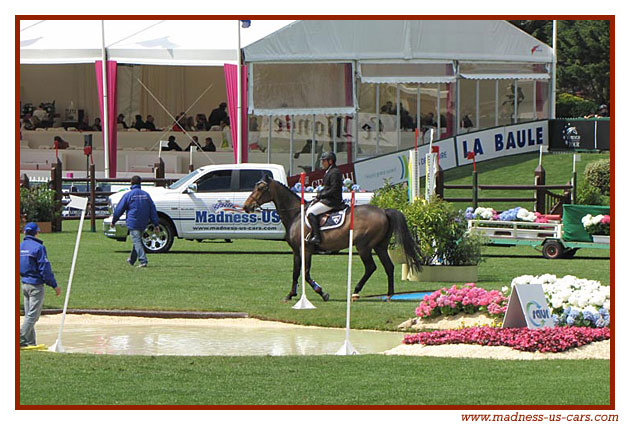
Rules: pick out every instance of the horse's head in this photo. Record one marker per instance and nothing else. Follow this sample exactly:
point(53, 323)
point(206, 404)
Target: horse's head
point(259, 196)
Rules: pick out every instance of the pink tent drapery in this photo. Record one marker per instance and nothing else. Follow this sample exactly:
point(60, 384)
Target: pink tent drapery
point(112, 126)
point(230, 85)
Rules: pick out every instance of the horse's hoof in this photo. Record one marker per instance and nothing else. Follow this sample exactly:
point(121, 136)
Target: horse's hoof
point(388, 298)
point(355, 297)
point(288, 298)
point(325, 296)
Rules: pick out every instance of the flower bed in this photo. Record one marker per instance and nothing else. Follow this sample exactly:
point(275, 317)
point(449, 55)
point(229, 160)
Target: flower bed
point(574, 301)
point(514, 214)
point(467, 299)
point(546, 340)
point(596, 225)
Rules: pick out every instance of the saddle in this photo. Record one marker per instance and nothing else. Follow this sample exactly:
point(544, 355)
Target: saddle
point(332, 219)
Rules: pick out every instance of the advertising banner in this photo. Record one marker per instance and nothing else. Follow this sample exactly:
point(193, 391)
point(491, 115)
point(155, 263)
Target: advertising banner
point(579, 134)
point(372, 173)
point(502, 141)
point(527, 307)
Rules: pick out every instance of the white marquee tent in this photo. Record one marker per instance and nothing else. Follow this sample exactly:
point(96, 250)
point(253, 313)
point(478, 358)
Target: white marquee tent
point(165, 42)
point(485, 40)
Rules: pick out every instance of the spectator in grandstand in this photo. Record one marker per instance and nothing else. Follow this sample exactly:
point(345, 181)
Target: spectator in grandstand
point(85, 125)
point(121, 122)
point(35, 272)
point(189, 124)
point(139, 124)
point(201, 123)
point(97, 125)
point(149, 124)
point(178, 125)
point(28, 122)
point(209, 146)
point(59, 143)
point(41, 113)
point(217, 115)
point(194, 142)
point(172, 145)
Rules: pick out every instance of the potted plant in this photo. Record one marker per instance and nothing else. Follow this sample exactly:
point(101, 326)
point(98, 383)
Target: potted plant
point(450, 253)
point(396, 197)
point(598, 227)
point(38, 204)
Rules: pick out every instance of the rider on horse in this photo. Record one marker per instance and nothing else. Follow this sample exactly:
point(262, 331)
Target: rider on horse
point(328, 198)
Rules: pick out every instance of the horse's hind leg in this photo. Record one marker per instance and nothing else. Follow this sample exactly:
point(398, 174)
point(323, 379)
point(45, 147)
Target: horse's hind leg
point(296, 275)
point(312, 282)
point(381, 251)
point(370, 267)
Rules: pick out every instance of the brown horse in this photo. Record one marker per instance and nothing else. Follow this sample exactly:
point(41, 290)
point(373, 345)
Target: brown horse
point(373, 229)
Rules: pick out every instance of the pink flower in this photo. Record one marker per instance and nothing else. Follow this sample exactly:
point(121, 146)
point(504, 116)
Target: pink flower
point(544, 340)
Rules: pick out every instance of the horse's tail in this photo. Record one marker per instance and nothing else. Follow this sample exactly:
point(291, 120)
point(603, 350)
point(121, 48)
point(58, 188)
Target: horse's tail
point(404, 238)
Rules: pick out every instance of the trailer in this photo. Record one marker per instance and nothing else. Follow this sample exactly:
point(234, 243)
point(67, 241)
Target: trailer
point(557, 239)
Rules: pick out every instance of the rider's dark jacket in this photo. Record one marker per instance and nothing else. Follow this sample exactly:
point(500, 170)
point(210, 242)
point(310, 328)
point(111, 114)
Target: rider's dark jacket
point(331, 194)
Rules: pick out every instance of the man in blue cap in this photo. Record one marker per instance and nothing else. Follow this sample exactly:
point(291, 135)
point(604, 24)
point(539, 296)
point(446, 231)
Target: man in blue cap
point(35, 271)
point(140, 211)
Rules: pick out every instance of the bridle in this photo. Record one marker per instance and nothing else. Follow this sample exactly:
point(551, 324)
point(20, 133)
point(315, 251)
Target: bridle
point(259, 193)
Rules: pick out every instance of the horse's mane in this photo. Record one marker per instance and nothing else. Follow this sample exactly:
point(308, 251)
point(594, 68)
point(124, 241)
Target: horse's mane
point(285, 188)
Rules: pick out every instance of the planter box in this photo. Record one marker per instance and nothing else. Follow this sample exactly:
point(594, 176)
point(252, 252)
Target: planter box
point(601, 239)
point(397, 255)
point(45, 226)
point(461, 274)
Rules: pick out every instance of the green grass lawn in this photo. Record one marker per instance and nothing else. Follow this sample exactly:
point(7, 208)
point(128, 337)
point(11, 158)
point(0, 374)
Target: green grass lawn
point(77, 379)
point(253, 277)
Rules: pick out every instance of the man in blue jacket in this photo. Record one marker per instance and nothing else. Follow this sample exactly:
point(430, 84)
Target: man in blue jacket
point(35, 271)
point(140, 210)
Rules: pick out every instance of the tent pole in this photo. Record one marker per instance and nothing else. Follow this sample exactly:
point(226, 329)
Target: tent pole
point(239, 142)
point(105, 101)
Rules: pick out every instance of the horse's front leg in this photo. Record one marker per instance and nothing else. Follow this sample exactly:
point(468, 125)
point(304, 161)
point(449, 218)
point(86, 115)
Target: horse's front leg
point(296, 275)
point(312, 282)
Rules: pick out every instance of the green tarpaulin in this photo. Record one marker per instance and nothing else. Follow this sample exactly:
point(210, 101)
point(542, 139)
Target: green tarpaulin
point(572, 227)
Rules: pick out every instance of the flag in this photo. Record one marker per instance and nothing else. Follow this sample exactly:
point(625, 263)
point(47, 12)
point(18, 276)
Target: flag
point(246, 24)
point(78, 202)
point(164, 143)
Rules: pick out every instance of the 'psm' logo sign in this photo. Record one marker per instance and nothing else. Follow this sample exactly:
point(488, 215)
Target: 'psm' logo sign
point(537, 313)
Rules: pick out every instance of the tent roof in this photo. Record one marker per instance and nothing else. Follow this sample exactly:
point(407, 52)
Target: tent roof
point(480, 40)
point(166, 42)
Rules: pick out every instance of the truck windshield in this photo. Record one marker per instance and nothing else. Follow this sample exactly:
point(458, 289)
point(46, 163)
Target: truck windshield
point(183, 180)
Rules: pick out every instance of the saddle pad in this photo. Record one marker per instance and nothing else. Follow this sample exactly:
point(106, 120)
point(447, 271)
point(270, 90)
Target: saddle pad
point(330, 221)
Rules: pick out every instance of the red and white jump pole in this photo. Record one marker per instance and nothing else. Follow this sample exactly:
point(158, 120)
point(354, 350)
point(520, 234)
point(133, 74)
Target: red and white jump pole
point(347, 347)
point(303, 303)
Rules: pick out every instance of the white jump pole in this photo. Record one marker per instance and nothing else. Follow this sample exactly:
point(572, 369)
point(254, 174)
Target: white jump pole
point(303, 303)
point(347, 347)
point(80, 203)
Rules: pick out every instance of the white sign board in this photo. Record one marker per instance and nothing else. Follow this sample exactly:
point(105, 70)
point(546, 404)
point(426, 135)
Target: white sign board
point(527, 307)
point(372, 173)
point(503, 141)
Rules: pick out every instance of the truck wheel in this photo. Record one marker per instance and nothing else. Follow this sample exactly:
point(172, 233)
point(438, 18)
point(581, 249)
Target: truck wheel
point(552, 250)
point(157, 243)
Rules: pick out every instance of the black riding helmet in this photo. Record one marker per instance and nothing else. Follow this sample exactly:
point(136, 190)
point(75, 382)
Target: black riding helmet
point(329, 156)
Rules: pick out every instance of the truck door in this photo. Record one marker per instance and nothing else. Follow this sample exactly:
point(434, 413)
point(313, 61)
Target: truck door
point(263, 224)
point(203, 212)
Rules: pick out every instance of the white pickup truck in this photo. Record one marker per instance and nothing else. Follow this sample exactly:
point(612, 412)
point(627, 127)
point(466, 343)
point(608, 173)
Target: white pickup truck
point(208, 204)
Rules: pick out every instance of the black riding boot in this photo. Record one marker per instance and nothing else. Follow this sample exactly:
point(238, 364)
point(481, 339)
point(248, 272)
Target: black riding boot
point(315, 238)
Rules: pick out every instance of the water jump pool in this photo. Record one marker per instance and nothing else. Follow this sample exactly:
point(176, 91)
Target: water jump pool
point(203, 337)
